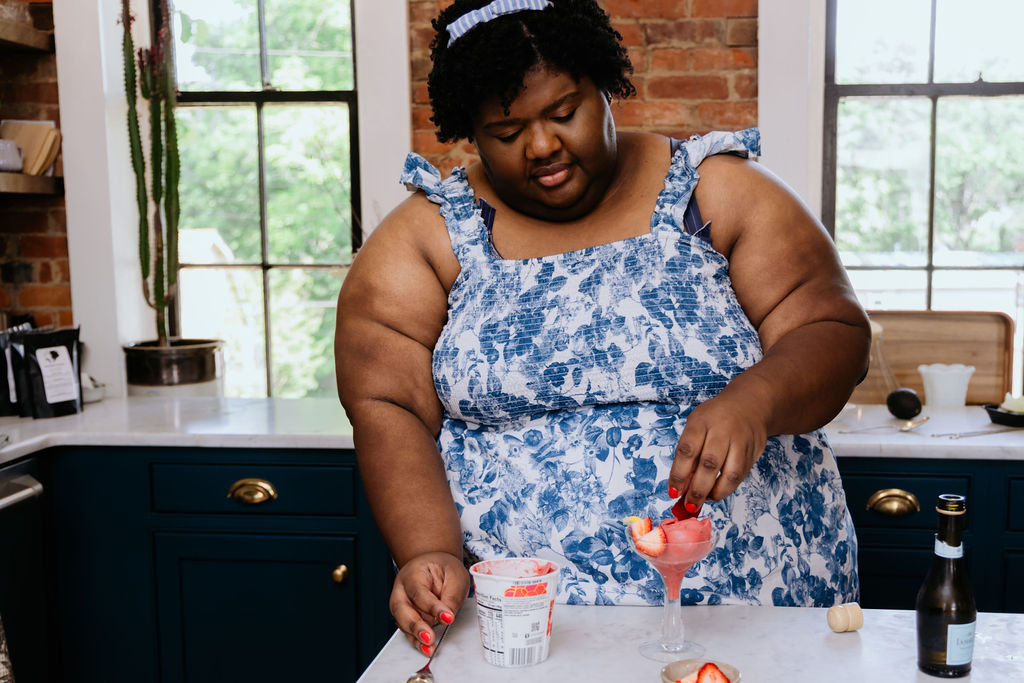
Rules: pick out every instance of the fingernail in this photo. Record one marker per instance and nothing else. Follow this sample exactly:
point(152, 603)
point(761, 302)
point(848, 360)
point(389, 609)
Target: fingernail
point(447, 617)
point(426, 636)
point(425, 649)
point(672, 492)
point(690, 507)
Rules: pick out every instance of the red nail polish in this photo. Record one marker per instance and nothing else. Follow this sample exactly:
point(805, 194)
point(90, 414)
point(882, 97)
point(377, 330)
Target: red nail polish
point(447, 617)
point(690, 507)
point(426, 636)
point(425, 649)
point(672, 492)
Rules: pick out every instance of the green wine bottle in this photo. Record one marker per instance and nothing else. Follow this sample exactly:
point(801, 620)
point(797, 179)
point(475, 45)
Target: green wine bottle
point(946, 614)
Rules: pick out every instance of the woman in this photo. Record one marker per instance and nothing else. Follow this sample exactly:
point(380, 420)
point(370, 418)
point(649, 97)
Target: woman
point(575, 329)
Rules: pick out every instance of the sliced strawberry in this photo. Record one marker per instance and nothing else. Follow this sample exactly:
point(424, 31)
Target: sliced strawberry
point(680, 512)
point(638, 527)
point(709, 673)
point(652, 543)
point(692, 678)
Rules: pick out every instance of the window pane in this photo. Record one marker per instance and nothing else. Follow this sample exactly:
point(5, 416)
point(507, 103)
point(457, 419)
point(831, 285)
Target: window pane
point(219, 188)
point(309, 44)
point(309, 191)
point(227, 303)
point(882, 181)
point(302, 315)
point(217, 44)
point(890, 289)
point(979, 182)
point(979, 39)
point(881, 41)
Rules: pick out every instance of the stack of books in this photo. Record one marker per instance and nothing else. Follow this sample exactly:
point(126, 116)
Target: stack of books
point(40, 141)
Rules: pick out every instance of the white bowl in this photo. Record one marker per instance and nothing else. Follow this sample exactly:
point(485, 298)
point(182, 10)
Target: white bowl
point(671, 673)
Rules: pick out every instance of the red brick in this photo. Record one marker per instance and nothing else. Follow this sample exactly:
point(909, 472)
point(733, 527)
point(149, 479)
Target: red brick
point(25, 222)
point(419, 93)
point(5, 299)
point(631, 32)
point(43, 246)
point(741, 32)
point(725, 8)
point(686, 32)
point(35, 296)
point(421, 117)
point(666, 9)
point(745, 86)
point(688, 88)
point(628, 114)
point(419, 67)
point(625, 8)
point(425, 142)
point(420, 37)
point(711, 59)
point(66, 318)
point(670, 59)
point(728, 115)
point(51, 272)
point(422, 12)
point(638, 58)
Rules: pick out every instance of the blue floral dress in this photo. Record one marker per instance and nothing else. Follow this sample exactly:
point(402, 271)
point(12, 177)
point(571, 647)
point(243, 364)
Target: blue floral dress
point(566, 381)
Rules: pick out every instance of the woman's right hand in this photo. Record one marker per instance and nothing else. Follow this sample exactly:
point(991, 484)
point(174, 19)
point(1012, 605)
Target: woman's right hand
point(429, 589)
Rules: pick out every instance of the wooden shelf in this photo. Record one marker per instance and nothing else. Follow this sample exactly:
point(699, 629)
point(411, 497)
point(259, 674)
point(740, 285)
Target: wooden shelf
point(19, 183)
point(19, 36)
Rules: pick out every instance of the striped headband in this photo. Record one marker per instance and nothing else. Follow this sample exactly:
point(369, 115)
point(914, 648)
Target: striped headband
point(458, 28)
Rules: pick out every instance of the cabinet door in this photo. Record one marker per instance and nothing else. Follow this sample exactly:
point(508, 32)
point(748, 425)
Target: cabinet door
point(235, 607)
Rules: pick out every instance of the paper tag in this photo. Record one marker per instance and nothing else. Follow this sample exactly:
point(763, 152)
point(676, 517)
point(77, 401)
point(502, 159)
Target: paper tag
point(58, 374)
point(950, 551)
point(959, 643)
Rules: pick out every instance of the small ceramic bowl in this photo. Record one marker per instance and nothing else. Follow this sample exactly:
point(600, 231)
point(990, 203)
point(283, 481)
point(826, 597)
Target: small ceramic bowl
point(1004, 417)
point(671, 673)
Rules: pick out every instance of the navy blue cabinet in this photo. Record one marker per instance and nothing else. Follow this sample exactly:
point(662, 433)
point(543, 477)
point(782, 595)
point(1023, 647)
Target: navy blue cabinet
point(896, 541)
point(192, 565)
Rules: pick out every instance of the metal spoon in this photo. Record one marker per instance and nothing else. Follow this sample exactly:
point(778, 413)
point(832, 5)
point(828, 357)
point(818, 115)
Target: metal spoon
point(424, 675)
point(905, 427)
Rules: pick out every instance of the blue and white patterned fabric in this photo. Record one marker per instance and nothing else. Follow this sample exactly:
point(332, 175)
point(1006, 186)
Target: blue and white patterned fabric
point(458, 28)
point(566, 381)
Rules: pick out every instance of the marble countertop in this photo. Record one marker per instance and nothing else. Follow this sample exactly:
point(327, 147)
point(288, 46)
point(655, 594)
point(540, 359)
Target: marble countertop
point(201, 422)
point(321, 423)
point(922, 442)
point(766, 644)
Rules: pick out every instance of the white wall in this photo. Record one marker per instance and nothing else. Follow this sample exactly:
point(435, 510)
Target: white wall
point(791, 92)
point(99, 185)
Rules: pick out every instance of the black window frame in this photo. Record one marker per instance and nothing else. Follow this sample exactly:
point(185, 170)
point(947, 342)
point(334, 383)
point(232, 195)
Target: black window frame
point(270, 95)
point(834, 92)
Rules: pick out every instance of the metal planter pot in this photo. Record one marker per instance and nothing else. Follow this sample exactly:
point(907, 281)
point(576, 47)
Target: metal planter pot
point(188, 367)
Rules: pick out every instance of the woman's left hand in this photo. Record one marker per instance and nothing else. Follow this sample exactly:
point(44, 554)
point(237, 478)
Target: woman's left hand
point(720, 443)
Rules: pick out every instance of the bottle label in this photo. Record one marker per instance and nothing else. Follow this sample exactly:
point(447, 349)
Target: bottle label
point(959, 643)
point(952, 551)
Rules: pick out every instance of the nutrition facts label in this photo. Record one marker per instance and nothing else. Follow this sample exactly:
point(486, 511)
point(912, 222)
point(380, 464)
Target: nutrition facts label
point(513, 629)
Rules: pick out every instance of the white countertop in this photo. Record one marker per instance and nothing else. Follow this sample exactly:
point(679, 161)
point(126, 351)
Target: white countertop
point(767, 645)
point(199, 422)
point(321, 423)
point(920, 442)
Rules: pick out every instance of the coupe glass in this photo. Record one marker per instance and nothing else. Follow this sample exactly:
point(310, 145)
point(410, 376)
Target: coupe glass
point(672, 566)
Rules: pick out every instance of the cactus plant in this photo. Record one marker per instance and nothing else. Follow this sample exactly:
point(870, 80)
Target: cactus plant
point(149, 72)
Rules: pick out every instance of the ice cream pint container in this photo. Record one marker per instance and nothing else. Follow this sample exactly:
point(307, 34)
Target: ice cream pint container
point(515, 598)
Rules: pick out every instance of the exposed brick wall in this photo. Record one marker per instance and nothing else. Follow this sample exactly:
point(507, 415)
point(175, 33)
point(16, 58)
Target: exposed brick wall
point(34, 271)
point(695, 67)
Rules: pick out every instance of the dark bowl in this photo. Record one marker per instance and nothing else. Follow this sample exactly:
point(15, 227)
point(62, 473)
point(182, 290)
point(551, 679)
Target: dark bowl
point(1004, 417)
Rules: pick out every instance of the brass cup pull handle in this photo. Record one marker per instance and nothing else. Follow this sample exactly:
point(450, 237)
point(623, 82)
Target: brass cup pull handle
point(252, 491)
point(339, 573)
point(893, 502)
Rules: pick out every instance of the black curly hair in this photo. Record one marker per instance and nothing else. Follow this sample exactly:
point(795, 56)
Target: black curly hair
point(491, 59)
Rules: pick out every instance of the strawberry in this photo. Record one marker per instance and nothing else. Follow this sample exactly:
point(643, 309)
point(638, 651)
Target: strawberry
point(692, 678)
point(709, 673)
point(652, 543)
point(638, 527)
point(680, 512)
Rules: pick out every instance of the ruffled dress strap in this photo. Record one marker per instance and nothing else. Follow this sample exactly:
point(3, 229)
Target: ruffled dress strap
point(466, 229)
point(682, 176)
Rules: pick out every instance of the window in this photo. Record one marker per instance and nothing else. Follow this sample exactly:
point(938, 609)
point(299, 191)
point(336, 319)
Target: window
point(269, 186)
point(922, 181)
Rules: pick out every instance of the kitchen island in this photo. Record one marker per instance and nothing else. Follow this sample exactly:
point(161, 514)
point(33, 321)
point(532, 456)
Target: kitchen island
point(766, 644)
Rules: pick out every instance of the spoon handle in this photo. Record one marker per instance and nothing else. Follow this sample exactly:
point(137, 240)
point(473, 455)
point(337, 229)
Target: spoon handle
point(980, 432)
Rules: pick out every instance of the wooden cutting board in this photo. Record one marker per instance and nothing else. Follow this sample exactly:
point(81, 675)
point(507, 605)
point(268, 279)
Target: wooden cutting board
point(983, 339)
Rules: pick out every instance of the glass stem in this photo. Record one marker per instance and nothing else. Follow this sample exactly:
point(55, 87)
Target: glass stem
point(672, 623)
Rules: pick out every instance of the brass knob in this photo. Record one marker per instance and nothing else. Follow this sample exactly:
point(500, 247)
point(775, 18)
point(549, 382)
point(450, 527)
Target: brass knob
point(893, 502)
point(252, 491)
point(339, 573)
